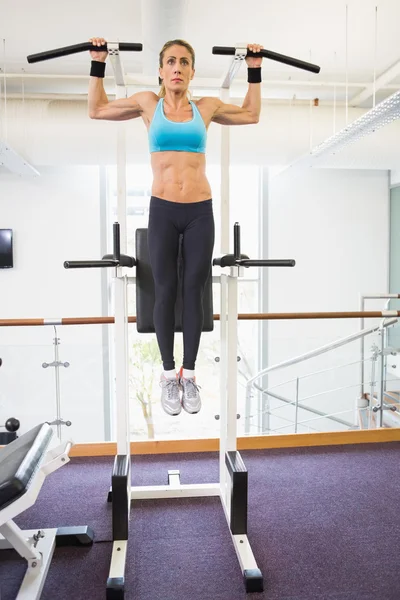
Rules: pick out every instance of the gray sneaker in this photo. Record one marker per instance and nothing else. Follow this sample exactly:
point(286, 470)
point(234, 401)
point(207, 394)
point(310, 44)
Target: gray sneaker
point(170, 395)
point(191, 400)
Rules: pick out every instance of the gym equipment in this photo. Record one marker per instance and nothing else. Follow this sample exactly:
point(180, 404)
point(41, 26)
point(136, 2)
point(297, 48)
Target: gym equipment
point(232, 487)
point(282, 58)
point(24, 465)
point(83, 47)
point(113, 49)
point(121, 476)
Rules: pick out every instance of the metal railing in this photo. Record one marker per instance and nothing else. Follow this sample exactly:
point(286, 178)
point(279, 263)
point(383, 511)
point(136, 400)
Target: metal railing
point(388, 298)
point(372, 408)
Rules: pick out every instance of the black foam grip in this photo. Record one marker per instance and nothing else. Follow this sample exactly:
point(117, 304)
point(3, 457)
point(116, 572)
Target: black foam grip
point(145, 293)
point(89, 264)
point(282, 58)
point(75, 48)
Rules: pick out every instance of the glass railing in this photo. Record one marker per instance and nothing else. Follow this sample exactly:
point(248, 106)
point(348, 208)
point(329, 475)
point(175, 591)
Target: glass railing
point(66, 376)
point(65, 384)
point(330, 387)
point(73, 381)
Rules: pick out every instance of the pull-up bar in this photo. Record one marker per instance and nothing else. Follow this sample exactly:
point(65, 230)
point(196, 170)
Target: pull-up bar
point(84, 47)
point(282, 58)
point(136, 47)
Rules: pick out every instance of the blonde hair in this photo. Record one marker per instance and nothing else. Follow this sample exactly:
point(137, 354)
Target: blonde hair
point(167, 45)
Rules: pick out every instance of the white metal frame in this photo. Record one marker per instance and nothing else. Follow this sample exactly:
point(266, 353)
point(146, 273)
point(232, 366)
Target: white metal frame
point(35, 546)
point(228, 424)
point(228, 362)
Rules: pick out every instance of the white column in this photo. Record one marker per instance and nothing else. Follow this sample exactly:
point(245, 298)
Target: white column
point(120, 300)
point(223, 382)
point(225, 159)
point(121, 362)
point(232, 338)
point(121, 174)
point(228, 391)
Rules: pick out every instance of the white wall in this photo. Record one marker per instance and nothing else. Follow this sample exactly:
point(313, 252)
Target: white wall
point(334, 223)
point(54, 217)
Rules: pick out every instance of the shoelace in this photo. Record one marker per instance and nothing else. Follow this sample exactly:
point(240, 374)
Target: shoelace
point(191, 388)
point(169, 385)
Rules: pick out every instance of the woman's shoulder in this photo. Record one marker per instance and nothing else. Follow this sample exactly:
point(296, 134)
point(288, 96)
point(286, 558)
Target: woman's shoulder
point(148, 101)
point(207, 107)
point(205, 101)
point(147, 98)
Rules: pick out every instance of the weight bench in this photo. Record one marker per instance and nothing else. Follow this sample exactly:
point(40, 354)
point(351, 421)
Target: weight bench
point(24, 465)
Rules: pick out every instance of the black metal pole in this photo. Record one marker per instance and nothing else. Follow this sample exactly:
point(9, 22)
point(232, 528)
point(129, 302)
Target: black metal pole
point(236, 240)
point(89, 264)
point(116, 242)
point(249, 262)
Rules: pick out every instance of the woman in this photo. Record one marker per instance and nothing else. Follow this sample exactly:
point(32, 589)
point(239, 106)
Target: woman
point(181, 196)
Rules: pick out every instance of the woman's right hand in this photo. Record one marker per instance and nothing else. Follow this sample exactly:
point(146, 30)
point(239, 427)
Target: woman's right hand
point(95, 55)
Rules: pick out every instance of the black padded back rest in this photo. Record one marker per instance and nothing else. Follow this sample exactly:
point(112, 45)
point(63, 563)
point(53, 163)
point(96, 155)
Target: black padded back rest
point(145, 290)
point(19, 462)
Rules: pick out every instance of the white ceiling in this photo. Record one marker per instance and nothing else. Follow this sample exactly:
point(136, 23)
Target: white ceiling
point(312, 30)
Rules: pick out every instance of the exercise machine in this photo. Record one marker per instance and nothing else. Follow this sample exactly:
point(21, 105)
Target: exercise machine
point(233, 481)
point(24, 466)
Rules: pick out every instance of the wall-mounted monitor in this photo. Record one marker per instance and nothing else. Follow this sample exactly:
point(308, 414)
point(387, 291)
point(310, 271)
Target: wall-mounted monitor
point(6, 249)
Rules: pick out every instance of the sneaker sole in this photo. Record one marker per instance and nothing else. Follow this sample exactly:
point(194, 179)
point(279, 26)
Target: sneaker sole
point(191, 412)
point(171, 414)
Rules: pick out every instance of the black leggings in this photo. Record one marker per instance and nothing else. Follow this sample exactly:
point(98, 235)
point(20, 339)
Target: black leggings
point(167, 221)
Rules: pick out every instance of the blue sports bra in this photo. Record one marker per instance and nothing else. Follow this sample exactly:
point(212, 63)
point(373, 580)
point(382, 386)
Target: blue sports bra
point(189, 136)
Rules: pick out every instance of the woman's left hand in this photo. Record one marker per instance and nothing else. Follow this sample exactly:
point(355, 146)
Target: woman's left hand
point(254, 61)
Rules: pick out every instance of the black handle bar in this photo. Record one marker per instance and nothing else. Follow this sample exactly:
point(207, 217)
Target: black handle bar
point(282, 58)
point(230, 260)
point(266, 262)
point(84, 47)
point(89, 264)
point(109, 260)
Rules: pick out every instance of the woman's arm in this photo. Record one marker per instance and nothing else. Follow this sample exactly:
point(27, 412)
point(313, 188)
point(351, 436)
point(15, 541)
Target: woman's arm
point(98, 103)
point(116, 110)
point(249, 112)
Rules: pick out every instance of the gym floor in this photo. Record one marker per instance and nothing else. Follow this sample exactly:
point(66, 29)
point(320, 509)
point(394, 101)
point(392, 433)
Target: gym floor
point(323, 525)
